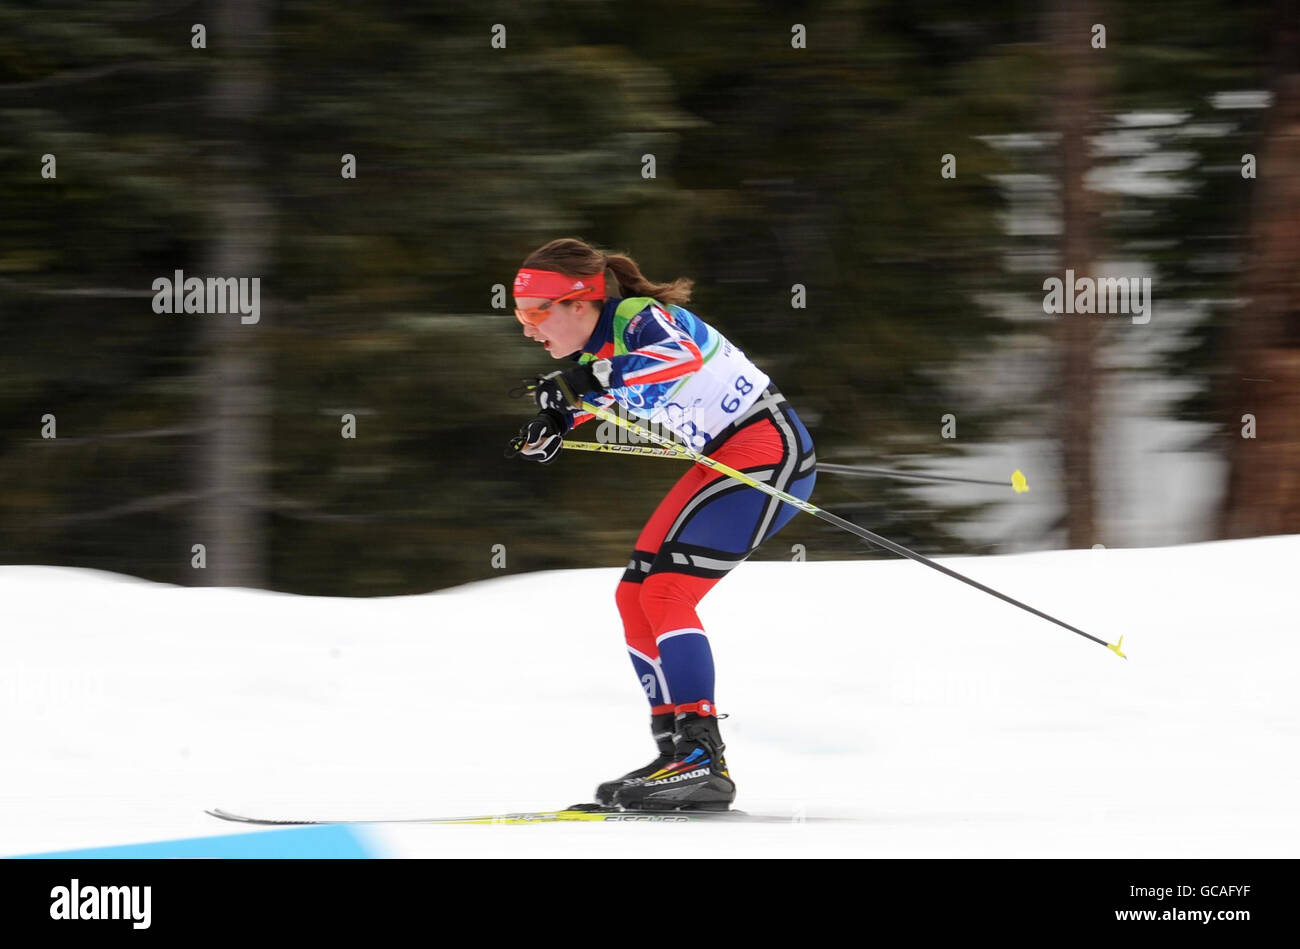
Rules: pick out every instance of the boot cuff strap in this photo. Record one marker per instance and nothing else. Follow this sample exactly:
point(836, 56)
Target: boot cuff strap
point(703, 708)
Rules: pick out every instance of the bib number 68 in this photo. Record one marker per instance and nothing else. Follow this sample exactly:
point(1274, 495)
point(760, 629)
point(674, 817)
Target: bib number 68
point(732, 402)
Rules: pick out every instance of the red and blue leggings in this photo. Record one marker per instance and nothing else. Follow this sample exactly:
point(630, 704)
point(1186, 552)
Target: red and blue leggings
point(706, 525)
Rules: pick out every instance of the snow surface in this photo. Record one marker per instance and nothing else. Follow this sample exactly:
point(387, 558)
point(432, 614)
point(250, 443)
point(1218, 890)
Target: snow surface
point(929, 719)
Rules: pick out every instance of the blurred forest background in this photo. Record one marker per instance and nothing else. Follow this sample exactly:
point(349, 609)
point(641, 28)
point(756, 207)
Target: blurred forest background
point(775, 166)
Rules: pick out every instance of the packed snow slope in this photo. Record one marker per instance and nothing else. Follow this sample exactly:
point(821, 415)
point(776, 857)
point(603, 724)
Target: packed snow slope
point(927, 718)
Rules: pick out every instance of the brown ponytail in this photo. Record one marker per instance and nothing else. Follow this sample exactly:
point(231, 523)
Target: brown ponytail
point(577, 258)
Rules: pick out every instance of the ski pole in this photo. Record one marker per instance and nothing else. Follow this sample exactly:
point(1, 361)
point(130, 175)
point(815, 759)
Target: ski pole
point(1017, 482)
point(810, 508)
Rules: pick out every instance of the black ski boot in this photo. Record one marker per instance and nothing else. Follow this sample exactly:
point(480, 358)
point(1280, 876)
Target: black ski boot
point(661, 727)
point(696, 780)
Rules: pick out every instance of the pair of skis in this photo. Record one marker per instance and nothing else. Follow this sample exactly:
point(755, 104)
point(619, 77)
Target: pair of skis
point(578, 812)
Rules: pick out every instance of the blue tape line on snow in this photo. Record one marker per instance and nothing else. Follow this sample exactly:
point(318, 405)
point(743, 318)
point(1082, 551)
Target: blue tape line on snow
point(333, 841)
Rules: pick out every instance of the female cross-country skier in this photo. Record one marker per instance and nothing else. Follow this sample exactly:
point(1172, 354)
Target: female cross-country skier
point(662, 363)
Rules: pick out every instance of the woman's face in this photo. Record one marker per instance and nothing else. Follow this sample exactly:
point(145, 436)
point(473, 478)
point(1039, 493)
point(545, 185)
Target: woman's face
point(568, 327)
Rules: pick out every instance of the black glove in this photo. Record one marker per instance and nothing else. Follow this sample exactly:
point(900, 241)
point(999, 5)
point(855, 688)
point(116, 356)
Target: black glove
point(565, 388)
point(556, 393)
point(541, 437)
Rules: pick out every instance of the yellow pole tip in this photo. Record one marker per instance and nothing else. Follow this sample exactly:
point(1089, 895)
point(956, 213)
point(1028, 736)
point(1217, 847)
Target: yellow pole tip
point(1018, 483)
point(1115, 648)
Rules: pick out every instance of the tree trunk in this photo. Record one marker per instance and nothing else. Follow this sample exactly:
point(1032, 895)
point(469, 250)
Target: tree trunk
point(1263, 489)
point(1075, 110)
point(233, 457)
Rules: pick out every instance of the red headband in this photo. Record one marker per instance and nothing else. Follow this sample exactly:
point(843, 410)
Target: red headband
point(550, 284)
